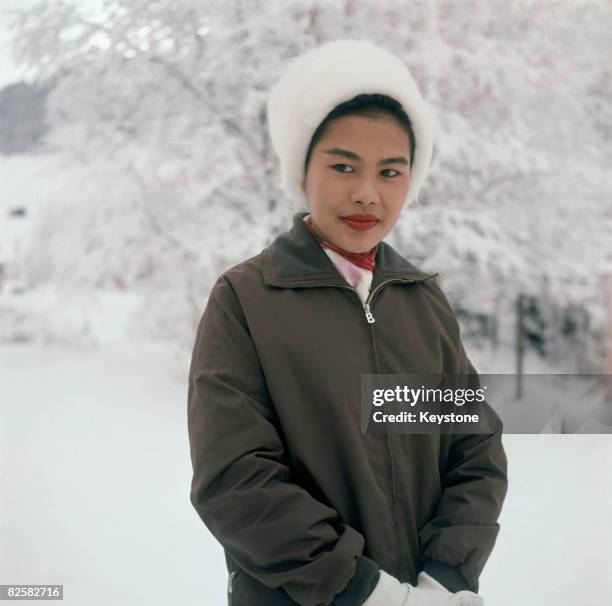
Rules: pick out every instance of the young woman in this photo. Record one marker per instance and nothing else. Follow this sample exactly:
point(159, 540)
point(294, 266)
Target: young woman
point(309, 509)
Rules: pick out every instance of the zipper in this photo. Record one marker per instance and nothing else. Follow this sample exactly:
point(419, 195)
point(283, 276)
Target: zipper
point(368, 312)
point(367, 305)
point(370, 318)
point(230, 586)
point(391, 467)
point(387, 435)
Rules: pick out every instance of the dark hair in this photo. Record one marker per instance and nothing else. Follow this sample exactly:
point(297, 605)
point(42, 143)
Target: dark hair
point(371, 104)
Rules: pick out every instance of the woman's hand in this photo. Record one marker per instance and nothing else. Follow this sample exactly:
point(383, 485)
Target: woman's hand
point(428, 592)
point(389, 592)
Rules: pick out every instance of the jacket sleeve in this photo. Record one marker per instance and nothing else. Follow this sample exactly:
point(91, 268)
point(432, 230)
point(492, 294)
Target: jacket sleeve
point(242, 487)
point(459, 538)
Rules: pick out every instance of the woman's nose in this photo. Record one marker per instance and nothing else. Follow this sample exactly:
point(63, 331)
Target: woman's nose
point(365, 192)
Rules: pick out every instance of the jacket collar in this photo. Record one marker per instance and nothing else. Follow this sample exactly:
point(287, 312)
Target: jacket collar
point(295, 259)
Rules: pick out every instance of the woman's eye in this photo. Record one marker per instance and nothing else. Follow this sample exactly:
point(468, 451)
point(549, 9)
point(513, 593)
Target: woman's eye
point(340, 170)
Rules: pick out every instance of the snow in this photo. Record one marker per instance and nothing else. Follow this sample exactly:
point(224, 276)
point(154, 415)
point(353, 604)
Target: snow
point(95, 490)
point(556, 523)
point(96, 478)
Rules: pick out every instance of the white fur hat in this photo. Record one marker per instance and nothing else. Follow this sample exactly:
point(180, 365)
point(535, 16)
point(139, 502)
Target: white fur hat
point(323, 77)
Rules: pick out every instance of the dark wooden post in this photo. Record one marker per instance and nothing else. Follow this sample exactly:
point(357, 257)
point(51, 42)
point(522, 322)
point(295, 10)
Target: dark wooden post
point(608, 338)
point(520, 347)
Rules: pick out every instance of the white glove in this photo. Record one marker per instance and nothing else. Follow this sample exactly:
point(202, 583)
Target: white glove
point(388, 592)
point(428, 592)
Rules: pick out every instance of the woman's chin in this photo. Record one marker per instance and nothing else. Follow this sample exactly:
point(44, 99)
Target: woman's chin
point(358, 244)
point(356, 241)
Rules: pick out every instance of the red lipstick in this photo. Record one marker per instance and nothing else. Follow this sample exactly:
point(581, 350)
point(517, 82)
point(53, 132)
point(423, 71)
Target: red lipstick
point(361, 222)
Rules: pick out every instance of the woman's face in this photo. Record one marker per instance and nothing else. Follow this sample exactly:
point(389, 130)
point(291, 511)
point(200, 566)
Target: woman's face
point(359, 168)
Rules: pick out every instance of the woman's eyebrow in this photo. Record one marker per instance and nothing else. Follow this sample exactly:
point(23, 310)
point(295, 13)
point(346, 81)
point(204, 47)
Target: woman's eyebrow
point(337, 151)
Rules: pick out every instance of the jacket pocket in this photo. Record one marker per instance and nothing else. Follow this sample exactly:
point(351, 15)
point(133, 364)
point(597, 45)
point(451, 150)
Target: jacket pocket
point(230, 585)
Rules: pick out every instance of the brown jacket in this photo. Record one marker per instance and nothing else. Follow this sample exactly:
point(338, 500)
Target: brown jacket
point(306, 507)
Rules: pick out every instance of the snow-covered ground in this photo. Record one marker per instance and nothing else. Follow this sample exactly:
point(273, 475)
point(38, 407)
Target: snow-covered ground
point(95, 478)
point(95, 490)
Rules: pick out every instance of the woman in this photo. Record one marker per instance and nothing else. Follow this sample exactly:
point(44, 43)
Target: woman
point(309, 509)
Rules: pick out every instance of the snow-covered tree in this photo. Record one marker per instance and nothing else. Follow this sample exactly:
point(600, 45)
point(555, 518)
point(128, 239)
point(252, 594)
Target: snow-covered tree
point(162, 105)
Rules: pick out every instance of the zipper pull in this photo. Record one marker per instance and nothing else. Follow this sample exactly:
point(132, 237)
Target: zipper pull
point(230, 582)
point(368, 314)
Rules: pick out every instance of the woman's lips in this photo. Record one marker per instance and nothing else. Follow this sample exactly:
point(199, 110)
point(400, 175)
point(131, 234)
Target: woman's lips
point(360, 224)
